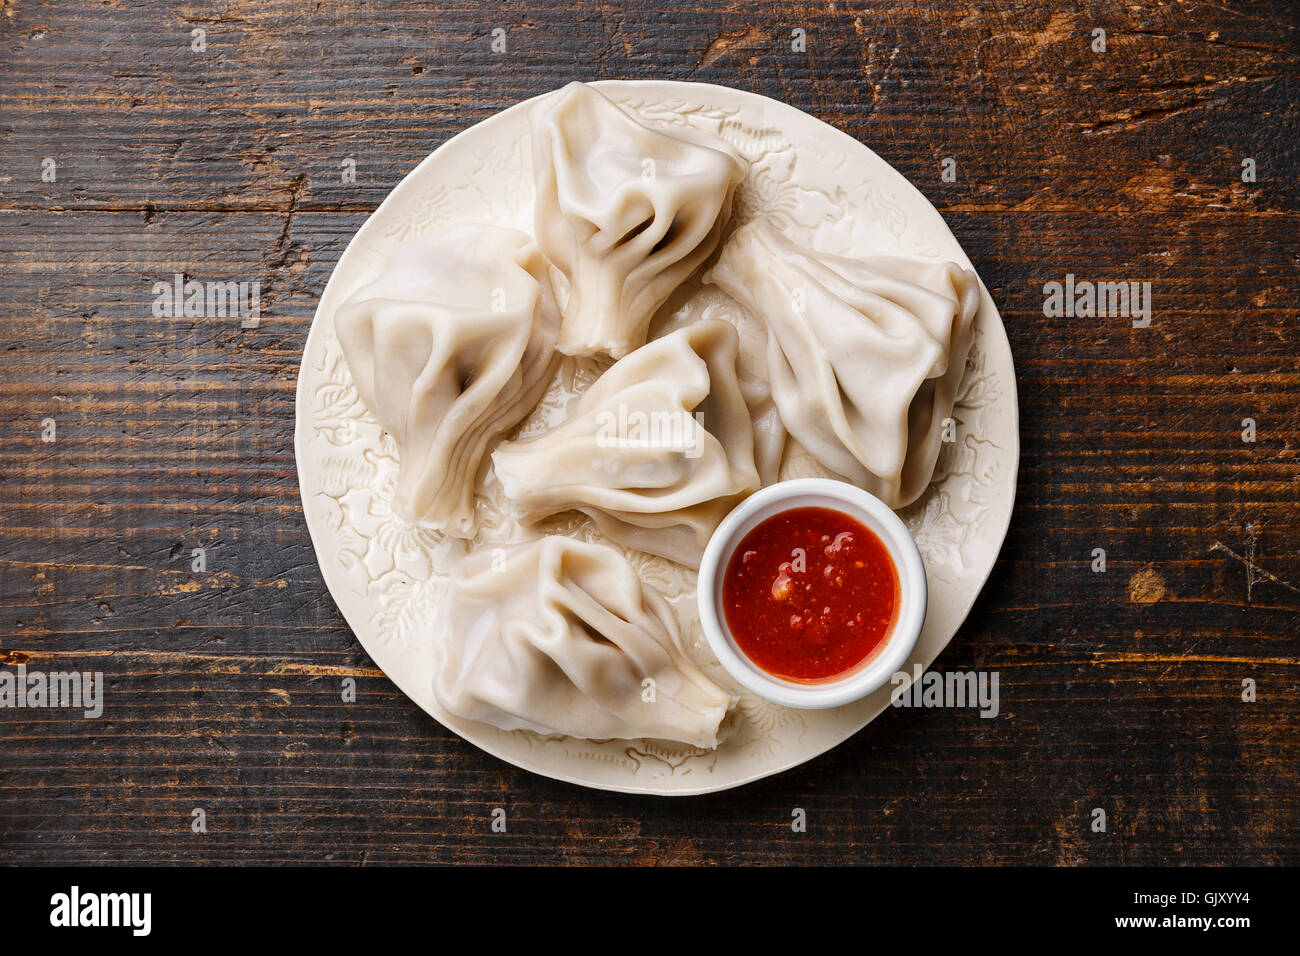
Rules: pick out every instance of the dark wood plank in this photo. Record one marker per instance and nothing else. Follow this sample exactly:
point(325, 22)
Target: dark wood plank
point(1119, 690)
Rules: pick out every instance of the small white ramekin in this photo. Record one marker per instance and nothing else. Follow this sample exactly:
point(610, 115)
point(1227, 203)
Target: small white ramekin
point(872, 512)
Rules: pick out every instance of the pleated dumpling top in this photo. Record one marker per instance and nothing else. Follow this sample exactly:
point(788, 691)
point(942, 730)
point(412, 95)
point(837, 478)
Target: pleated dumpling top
point(864, 355)
point(450, 347)
point(560, 636)
point(626, 212)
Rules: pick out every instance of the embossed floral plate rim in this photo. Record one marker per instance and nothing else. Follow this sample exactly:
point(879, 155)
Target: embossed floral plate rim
point(882, 211)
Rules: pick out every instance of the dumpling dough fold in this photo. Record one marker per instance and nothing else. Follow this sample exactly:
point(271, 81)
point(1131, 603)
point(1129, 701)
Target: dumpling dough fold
point(624, 211)
point(865, 356)
point(451, 347)
point(655, 452)
point(561, 636)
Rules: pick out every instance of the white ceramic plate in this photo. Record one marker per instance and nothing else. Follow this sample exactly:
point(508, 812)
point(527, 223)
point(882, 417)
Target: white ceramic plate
point(815, 183)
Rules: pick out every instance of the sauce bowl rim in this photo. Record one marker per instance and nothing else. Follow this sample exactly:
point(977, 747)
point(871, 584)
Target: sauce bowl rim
point(877, 516)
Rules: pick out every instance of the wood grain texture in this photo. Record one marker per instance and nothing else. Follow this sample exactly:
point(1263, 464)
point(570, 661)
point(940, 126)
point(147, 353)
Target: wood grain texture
point(1119, 690)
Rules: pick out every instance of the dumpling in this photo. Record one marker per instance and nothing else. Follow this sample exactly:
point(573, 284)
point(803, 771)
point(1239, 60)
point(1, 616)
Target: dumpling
point(451, 347)
point(751, 369)
point(625, 212)
point(769, 433)
point(655, 452)
point(865, 356)
point(561, 636)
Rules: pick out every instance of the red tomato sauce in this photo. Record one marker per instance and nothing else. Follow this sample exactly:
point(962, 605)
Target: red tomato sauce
point(810, 595)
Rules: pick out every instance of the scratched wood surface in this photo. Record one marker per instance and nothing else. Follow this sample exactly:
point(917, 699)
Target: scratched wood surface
point(1119, 690)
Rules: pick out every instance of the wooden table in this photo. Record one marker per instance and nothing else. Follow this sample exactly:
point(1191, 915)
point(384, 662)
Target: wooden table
point(1120, 690)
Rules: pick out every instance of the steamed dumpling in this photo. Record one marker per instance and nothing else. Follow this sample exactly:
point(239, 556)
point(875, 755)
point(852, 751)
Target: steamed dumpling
point(561, 636)
point(751, 370)
point(656, 452)
point(625, 212)
point(865, 356)
point(451, 347)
